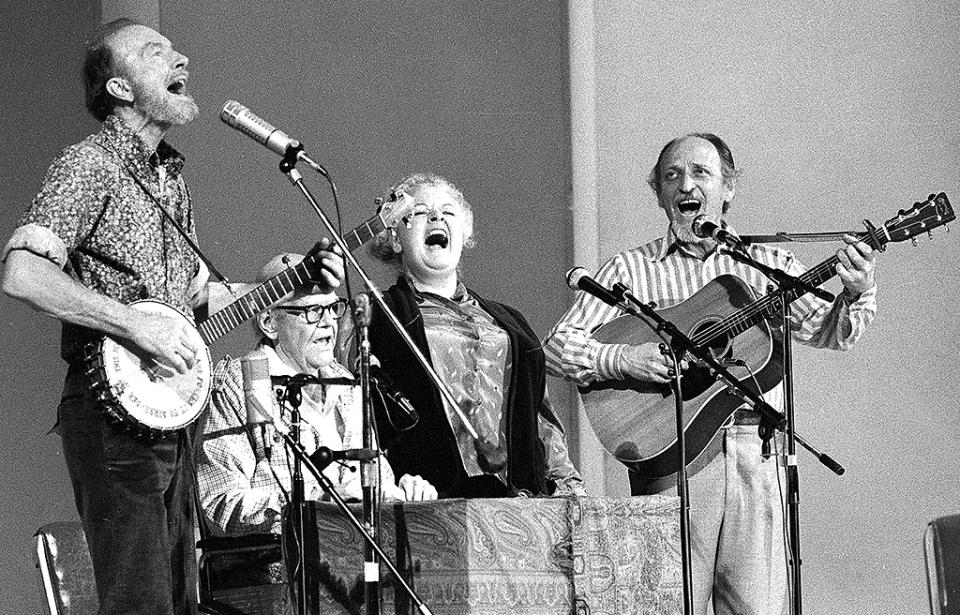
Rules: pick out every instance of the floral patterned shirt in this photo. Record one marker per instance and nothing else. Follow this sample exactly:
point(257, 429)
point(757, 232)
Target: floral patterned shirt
point(94, 218)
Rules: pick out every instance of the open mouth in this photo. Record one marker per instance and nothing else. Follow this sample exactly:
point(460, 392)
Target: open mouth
point(437, 237)
point(178, 87)
point(689, 206)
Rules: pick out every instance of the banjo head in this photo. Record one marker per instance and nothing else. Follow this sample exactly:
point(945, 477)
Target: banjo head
point(147, 397)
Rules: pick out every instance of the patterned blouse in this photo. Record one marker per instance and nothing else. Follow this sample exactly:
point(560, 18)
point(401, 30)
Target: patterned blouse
point(94, 218)
point(471, 354)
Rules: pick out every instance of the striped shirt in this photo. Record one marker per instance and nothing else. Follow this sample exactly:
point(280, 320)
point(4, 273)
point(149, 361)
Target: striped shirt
point(662, 272)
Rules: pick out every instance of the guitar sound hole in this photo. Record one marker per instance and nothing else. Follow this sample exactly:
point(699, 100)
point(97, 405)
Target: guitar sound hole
point(698, 378)
point(719, 345)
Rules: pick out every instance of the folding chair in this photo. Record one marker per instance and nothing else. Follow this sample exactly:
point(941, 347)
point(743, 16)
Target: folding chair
point(66, 572)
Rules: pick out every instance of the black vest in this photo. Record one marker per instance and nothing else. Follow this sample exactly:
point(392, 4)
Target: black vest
point(430, 449)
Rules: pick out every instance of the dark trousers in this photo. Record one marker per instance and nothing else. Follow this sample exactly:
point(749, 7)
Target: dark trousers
point(135, 500)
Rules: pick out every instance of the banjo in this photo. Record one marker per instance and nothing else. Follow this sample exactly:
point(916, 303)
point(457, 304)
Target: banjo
point(152, 403)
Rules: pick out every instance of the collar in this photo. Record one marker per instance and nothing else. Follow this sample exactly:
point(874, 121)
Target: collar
point(669, 244)
point(278, 367)
point(118, 137)
point(460, 295)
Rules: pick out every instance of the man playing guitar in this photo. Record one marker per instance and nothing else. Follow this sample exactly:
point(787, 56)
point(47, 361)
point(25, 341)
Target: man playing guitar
point(735, 507)
point(95, 239)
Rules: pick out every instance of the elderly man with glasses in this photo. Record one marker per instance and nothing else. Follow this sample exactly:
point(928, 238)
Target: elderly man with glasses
point(243, 467)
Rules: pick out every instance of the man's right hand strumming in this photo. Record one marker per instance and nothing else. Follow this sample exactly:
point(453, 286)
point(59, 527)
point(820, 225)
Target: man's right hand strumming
point(648, 362)
point(43, 285)
point(171, 343)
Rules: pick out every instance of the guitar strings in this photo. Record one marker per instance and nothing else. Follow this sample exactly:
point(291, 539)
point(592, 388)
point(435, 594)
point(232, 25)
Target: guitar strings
point(240, 311)
point(743, 318)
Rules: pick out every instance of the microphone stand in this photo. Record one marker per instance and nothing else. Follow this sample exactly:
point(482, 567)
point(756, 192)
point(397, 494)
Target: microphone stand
point(370, 476)
point(300, 516)
point(683, 487)
point(303, 517)
point(789, 288)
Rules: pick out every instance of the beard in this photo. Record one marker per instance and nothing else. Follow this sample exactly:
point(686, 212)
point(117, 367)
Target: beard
point(683, 232)
point(684, 235)
point(163, 107)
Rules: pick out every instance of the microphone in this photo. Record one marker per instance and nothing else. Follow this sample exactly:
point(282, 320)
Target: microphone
point(362, 312)
point(706, 229)
point(577, 279)
point(239, 117)
point(389, 389)
point(323, 456)
point(257, 389)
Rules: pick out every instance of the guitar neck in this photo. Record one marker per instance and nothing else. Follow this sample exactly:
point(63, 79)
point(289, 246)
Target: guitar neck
point(769, 305)
point(816, 276)
point(274, 289)
point(364, 233)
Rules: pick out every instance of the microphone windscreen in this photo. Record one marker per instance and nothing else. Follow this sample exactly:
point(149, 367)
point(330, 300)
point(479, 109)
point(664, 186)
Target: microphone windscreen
point(231, 109)
point(361, 307)
point(574, 276)
point(257, 388)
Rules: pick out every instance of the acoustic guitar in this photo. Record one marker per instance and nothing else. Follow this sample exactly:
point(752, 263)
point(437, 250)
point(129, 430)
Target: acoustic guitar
point(636, 421)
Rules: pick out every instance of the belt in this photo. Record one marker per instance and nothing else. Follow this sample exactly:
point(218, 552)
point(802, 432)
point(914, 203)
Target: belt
point(745, 417)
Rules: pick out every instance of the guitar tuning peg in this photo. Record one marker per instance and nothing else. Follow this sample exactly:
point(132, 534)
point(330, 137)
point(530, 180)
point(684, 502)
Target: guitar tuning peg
point(930, 234)
point(913, 240)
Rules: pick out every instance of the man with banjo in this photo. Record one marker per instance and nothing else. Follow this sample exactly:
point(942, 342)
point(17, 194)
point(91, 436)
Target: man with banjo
point(113, 224)
point(735, 501)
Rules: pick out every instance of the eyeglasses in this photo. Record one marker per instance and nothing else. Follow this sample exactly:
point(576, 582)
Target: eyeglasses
point(314, 313)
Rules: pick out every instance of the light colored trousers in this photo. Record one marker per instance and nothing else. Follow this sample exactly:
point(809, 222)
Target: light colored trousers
point(736, 530)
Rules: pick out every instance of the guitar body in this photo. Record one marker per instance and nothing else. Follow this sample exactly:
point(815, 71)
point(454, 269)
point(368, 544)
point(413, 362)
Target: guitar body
point(636, 421)
point(140, 397)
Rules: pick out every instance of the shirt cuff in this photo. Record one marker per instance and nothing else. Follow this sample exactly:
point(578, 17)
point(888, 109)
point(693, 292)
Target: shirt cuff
point(198, 285)
point(38, 240)
point(867, 297)
point(572, 485)
point(609, 360)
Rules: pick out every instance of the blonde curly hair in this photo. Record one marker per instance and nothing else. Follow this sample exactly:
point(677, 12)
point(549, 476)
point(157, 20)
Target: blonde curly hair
point(382, 245)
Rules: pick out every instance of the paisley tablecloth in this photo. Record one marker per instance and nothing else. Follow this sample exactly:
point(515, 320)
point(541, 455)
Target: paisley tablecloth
point(519, 556)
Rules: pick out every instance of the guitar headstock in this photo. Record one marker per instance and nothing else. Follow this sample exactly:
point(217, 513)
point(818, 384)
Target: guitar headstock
point(390, 208)
point(921, 218)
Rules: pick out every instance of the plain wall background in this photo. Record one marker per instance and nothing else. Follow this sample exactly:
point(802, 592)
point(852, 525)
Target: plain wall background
point(834, 114)
point(41, 112)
